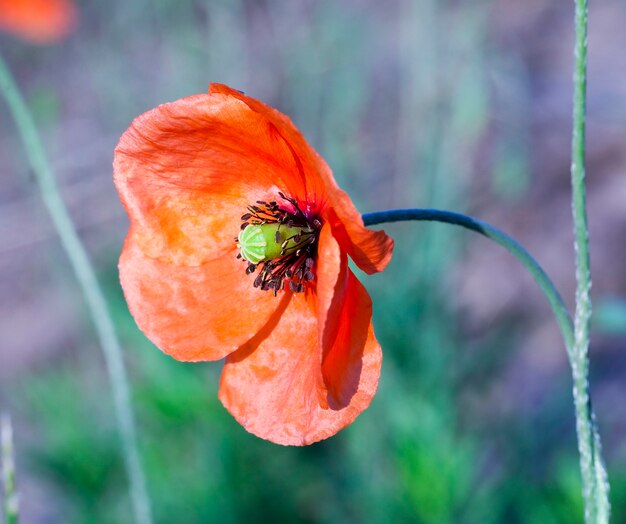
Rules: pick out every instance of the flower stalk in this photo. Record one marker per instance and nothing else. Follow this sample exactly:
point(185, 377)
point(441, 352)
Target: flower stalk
point(595, 480)
point(89, 285)
point(595, 483)
point(546, 285)
point(11, 501)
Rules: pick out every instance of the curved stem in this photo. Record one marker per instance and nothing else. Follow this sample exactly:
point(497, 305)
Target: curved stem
point(595, 484)
point(512, 246)
point(92, 291)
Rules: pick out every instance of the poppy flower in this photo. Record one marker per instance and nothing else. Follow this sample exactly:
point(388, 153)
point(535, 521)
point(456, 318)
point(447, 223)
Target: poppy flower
point(238, 247)
point(38, 21)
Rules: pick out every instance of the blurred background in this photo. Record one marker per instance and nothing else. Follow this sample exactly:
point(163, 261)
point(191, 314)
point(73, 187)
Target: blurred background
point(457, 105)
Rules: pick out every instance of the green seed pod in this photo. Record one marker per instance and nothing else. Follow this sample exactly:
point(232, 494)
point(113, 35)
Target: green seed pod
point(263, 242)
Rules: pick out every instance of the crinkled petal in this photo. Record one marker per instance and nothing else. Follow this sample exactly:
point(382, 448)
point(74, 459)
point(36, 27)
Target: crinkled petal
point(193, 312)
point(332, 265)
point(293, 150)
point(38, 21)
point(371, 250)
point(344, 311)
point(343, 344)
point(271, 385)
point(187, 170)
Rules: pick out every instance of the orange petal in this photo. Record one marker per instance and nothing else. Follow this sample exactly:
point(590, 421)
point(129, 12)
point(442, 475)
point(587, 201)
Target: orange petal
point(271, 384)
point(371, 250)
point(344, 342)
point(294, 151)
point(38, 21)
point(332, 266)
point(193, 312)
point(344, 316)
point(187, 170)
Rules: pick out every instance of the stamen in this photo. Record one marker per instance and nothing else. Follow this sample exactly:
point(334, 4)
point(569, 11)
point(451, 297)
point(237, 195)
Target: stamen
point(281, 244)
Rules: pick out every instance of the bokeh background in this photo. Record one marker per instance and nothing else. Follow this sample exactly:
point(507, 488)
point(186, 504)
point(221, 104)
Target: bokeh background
point(424, 103)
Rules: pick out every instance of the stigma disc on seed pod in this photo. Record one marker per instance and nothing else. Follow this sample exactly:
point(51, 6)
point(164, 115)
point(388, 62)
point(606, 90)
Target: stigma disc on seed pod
point(252, 244)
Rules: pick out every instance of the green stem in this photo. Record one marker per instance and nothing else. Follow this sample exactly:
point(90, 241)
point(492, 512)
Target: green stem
point(11, 502)
point(435, 215)
point(595, 481)
point(595, 484)
point(92, 291)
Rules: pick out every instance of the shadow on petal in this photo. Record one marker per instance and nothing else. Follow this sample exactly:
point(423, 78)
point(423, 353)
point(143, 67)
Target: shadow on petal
point(343, 353)
point(248, 348)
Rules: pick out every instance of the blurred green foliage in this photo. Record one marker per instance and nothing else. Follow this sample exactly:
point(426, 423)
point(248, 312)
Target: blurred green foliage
point(423, 452)
point(611, 316)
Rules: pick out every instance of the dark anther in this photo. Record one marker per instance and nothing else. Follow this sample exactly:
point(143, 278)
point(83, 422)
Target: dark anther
point(292, 268)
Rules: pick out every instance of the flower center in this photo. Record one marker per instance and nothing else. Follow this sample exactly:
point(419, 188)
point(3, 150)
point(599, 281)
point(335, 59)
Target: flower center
point(281, 244)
